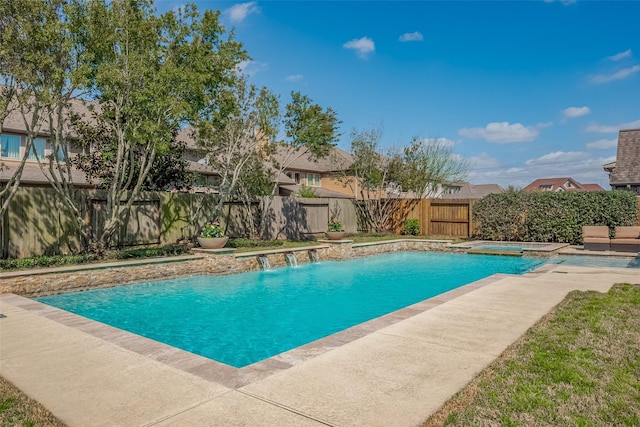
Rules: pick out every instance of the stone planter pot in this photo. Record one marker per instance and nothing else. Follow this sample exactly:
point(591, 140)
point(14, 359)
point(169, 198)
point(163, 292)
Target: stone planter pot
point(212, 242)
point(335, 235)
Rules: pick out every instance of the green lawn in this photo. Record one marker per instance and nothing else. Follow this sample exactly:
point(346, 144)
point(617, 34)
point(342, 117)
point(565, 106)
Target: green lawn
point(579, 366)
point(17, 409)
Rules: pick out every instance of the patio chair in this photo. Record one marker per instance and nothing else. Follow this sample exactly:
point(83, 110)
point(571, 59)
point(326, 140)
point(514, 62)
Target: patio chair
point(626, 239)
point(595, 237)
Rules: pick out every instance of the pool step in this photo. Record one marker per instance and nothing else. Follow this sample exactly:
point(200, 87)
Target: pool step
point(494, 252)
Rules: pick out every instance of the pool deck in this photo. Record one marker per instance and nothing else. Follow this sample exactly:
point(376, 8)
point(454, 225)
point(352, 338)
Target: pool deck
point(393, 371)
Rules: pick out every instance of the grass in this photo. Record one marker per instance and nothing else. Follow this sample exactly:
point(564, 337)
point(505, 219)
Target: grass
point(112, 255)
point(579, 366)
point(17, 409)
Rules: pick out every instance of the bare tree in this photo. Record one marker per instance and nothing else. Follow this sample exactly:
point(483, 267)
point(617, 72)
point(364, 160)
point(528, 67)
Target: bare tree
point(384, 184)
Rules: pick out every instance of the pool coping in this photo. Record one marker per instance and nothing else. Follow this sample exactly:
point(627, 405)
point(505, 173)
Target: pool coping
point(232, 377)
point(548, 248)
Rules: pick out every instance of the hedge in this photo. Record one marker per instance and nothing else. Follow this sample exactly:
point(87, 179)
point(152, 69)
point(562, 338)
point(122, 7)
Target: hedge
point(551, 217)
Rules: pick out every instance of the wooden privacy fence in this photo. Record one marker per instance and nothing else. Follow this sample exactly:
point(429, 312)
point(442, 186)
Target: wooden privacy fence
point(37, 223)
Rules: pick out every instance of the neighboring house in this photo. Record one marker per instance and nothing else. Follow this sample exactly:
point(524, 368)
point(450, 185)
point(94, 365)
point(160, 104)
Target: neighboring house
point(13, 143)
point(466, 190)
point(624, 173)
point(560, 184)
point(318, 174)
point(301, 170)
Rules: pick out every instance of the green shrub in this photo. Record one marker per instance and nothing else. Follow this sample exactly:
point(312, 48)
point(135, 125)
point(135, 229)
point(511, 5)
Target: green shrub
point(307, 192)
point(45, 261)
point(411, 227)
point(250, 243)
point(167, 250)
point(61, 260)
point(551, 217)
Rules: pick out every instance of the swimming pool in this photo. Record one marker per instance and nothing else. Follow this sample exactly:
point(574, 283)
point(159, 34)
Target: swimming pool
point(244, 318)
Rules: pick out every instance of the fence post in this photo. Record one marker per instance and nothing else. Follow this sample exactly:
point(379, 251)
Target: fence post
point(425, 216)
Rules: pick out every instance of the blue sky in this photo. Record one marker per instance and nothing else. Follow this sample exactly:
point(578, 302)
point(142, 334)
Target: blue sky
point(523, 89)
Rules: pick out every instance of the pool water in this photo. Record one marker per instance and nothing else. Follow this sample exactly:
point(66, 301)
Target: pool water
point(506, 246)
point(498, 248)
point(244, 318)
point(596, 261)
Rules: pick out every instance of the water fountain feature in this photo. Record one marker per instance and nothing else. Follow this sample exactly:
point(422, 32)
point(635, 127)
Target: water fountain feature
point(313, 256)
point(264, 262)
point(291, 259)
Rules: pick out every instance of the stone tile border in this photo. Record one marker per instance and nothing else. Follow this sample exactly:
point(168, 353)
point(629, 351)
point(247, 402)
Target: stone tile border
point(221, 373)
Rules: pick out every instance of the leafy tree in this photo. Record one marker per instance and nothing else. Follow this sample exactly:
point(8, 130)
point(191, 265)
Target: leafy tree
point(40, 70)
point(150, 75)
point(387, 183)
point(310, 131)
point(232, 137)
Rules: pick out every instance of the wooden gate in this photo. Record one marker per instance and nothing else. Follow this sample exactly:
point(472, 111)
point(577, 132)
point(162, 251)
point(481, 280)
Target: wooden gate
point(450, 218)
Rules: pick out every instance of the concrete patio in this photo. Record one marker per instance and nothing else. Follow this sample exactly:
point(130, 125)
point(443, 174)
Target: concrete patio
point(392, 371)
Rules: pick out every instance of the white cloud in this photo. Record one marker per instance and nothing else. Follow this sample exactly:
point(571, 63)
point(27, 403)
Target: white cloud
point(412, 37)
point(596, 128)
point(573, 112)
point(503, 132)
point(294, 78)
point(621, 55)
point(251, 68)
point(603, 144)
point(618, 75)
point(363, 46)
point(557, 157)
point(239, 12)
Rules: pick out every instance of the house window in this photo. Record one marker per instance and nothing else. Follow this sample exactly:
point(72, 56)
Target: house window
point(313, 180)
point(545, 187)
point(10, 146)
point(451, 190)
point(37, 148)
point(60, 155)
point(294, 176)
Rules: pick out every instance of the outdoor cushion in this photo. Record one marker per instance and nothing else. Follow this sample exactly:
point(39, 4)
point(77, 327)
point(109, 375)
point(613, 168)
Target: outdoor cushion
point(596, 240)
point(631, 232)
point(597, 231)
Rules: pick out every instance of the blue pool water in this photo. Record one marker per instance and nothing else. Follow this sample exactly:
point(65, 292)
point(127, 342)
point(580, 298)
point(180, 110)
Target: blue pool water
point(244, 318)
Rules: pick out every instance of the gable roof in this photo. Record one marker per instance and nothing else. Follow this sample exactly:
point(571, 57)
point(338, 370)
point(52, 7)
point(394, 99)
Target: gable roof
point(473, 191)
point(288, 190)
point(626, 169)
point(560, 184)
point(304, 160)
point(592, 187)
